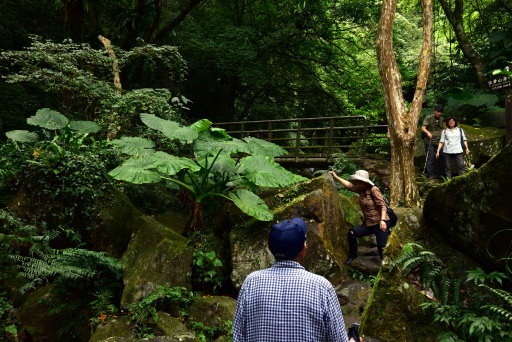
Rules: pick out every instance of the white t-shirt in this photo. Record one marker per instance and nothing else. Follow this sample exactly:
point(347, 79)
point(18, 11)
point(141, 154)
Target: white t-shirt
point(451, 140)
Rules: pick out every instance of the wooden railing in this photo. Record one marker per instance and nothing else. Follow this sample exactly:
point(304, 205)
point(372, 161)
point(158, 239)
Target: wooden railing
point(315, 140)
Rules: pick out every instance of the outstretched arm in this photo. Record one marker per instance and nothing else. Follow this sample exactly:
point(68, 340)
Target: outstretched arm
point(345, 183)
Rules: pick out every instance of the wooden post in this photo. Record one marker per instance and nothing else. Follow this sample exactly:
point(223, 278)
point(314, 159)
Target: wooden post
point(508, 113)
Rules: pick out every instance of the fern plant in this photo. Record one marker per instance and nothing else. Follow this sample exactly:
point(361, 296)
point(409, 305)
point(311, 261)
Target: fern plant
point(71, 264)
point(477, 317)
point(145, 312)
point(222, 166)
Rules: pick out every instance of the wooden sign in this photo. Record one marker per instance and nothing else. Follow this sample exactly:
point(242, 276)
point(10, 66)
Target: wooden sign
point(501, 81)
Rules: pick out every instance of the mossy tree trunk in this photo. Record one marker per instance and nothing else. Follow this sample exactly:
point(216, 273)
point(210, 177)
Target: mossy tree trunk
point(402, 122)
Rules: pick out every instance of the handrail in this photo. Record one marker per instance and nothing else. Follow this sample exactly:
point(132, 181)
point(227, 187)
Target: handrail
point(305, 142)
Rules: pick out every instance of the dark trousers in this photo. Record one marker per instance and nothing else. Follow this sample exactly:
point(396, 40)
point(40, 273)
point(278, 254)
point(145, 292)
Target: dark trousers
point(434, 166)
point(459, 161)
point(363, 230)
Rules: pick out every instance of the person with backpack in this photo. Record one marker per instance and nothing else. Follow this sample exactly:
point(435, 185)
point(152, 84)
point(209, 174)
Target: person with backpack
point(453, 142)
point(378, 218)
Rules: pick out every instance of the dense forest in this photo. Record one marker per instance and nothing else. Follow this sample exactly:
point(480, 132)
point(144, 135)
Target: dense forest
point(114, 102)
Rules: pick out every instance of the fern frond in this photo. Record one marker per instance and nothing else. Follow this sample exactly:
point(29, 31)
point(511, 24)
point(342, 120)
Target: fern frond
point(505, 295)
point(505, 314)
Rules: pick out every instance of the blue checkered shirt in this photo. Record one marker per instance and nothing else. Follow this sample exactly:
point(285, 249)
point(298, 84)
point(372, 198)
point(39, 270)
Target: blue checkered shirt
point(287, 303)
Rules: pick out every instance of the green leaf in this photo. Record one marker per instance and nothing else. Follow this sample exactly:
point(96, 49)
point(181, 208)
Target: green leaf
point(171, 165)
point(185, 134)
point(167, 127)
point(263, 171)
point(224, 165)
point(11, 329)
point(137, 171)
point(21, 135)
point(201, 125)
point(209, 143)
point(170, 129)
point(264, 148)
point(251, 204)
point(134, 145)
point(84, 126)
point(49, 119)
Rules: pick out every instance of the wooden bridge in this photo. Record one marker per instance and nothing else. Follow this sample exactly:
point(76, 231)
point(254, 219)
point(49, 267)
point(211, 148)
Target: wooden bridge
point(313, 141)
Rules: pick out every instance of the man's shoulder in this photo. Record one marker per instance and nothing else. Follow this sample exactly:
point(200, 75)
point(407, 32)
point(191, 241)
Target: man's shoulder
point(427, 120)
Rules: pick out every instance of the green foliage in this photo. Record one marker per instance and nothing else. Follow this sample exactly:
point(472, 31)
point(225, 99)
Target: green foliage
point(207, 273)
point(144, 312)
point(206, 333)
point(68, 264)
point(81, 75)
point(65, 166)
point(344, 167)
point(477, 317)
point(214, 173)
point(368, 279)
point(8, 327)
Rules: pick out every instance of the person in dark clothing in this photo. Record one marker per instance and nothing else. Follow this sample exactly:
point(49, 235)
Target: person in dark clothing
point(432, 128)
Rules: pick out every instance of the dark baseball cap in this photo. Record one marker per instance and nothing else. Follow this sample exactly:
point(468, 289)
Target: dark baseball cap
point(287, 238)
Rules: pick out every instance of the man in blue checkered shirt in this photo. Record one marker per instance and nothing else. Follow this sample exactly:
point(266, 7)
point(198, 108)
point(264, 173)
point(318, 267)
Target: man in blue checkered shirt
point(285, 302)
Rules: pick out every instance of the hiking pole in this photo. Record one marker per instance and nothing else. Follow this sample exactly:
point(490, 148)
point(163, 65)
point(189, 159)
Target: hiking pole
point(426, 157)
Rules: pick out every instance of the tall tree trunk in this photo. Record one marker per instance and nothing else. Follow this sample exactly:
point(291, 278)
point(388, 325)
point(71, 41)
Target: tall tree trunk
point(455, 18)
point(402, 123)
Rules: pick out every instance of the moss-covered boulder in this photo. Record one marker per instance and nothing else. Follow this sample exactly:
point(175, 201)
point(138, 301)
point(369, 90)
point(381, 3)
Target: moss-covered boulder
point(117, 218)
point(170, 326)
point(393, 312)
point(212, 310)
point(118, 327)
point(318, 203)
point(156, 255)
point(42, 320)
point(471, 209)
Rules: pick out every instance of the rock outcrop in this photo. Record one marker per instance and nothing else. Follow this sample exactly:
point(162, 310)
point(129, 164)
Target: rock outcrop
point(318, 203)
point(156, 255)
point(473, 211)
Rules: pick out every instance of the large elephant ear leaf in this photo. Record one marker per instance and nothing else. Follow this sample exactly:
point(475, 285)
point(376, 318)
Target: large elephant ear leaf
point(134, 146)
point(137, 171)
point(84, 126)
point(21, 135)
point(171, 165)
point(209, 143)
point(264, 171)
point(261, 147)
point(251, 204)
point(49, 119)
point(185, 135)
point(167, 127)
point(201, 125)
point(170, 129)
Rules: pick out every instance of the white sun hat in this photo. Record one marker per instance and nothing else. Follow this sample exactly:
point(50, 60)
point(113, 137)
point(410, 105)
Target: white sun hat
point(361, 175)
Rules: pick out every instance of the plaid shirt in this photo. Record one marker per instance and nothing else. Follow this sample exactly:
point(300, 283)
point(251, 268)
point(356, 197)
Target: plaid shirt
point(286, 303)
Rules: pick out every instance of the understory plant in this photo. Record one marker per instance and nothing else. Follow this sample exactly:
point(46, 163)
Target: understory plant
point(467, 313)
point(219, 166)
point(144, 314)
point(62, 172)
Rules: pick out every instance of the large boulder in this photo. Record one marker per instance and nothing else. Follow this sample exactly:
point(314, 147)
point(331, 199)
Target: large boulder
point(470, 210)
point(393, 312)
point(116, 225)
point(118, 327)
point(317, 201)
point(213, 311)
point(156, 255)
point(48, 310)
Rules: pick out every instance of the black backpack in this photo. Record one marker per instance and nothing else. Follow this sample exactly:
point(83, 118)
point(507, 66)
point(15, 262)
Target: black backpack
point(393, 219)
